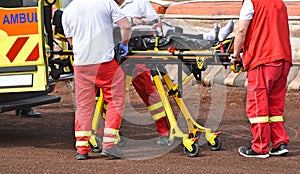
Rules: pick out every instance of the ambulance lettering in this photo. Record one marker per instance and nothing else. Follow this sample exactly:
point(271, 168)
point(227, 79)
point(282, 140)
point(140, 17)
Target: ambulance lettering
point(20, 18)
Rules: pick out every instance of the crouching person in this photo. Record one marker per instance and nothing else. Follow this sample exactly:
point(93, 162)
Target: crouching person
point(88, 26)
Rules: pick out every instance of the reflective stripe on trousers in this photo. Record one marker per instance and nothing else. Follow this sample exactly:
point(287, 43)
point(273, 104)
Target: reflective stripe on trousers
point(111, 137)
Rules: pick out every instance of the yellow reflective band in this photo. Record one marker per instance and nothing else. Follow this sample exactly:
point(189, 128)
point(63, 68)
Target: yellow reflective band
point(110, 140)
point(111, 131)
point(155, 106)
point(82, 143)
point(276, 119)
point(259, 120)
point(159, 115)
point(83, 133)
point(103, 115)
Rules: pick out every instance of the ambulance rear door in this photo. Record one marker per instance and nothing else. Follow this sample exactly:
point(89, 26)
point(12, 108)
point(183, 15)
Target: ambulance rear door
point(23, 62)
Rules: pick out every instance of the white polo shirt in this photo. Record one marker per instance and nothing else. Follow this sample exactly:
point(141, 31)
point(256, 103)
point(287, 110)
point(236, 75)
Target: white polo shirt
point(90, 24)
point(139, 8)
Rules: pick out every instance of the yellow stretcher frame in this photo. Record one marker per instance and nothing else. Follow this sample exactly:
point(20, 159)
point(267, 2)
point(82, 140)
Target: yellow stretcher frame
point(159, 57)
point(217, 55)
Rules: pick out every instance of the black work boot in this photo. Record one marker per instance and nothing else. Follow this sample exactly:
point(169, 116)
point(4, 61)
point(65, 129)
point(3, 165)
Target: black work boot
point(113, 152)
point(30, 113)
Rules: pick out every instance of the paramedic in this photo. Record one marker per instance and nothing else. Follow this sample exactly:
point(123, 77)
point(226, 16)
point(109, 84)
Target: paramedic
point(142, 82)
point(263, 35)
point(90, 35)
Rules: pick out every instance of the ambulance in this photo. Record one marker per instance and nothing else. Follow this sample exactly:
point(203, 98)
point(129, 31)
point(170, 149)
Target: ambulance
point(26, 46)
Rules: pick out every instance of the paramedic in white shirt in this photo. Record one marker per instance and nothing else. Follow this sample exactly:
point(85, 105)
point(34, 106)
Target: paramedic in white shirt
point(88, 26)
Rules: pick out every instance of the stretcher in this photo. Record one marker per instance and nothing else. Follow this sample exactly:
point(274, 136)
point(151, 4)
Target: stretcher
point(195, 62)
point(190, 54)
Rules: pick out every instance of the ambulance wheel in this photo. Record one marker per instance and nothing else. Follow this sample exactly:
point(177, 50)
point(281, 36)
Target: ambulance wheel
point(194, 152)
point(216, 146)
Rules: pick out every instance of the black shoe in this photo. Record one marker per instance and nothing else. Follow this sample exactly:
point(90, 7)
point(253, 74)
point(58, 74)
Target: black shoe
point(113, 152)
point(81, 156)
point(281, 150)
point(28, 113)
point(123, 140)
point(162, 140)
point(249, 152)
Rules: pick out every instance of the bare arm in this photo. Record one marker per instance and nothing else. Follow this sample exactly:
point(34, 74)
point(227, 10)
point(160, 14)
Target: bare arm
point(240, 34)
point(70, 41)
point(125, 30)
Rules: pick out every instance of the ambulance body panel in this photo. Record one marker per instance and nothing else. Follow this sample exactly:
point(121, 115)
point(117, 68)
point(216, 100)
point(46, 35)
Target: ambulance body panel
point(24, 79)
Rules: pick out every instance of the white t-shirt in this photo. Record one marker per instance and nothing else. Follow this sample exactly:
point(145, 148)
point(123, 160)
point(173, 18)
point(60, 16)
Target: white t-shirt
point(139, 8)
point(247, 10)
point(90, 24)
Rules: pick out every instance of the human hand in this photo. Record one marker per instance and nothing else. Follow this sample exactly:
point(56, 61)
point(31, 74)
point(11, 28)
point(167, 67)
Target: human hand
point(138, 21)
point(236, 64)
point(123, 49)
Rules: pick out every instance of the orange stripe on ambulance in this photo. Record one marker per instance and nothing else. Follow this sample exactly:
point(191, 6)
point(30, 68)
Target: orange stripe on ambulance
point(19, 18)
point(16, 22)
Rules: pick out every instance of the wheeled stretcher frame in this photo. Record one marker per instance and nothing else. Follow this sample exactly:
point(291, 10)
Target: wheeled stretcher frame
point(196, 61)
point(155, 61)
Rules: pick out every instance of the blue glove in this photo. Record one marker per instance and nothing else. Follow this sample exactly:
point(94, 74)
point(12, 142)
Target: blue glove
point(123, 50)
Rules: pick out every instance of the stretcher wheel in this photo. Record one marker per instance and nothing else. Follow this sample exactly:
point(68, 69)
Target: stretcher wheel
point(97, 148)
point(217, 146)
point(194, 152)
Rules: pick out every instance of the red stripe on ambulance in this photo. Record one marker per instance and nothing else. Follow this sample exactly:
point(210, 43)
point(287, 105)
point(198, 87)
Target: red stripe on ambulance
point(34, 55)
point(15, 49)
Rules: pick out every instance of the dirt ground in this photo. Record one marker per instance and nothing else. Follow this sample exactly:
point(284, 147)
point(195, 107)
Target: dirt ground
point(46, 145)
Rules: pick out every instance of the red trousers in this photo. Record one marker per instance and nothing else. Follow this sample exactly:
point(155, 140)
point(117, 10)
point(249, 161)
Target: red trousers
point(88, 79)
point(265, 105)
point(144, 86)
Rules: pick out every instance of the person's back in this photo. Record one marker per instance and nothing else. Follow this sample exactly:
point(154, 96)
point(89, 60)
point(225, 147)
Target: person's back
point(139, 8)
point(272, 43)
point(95, 44)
